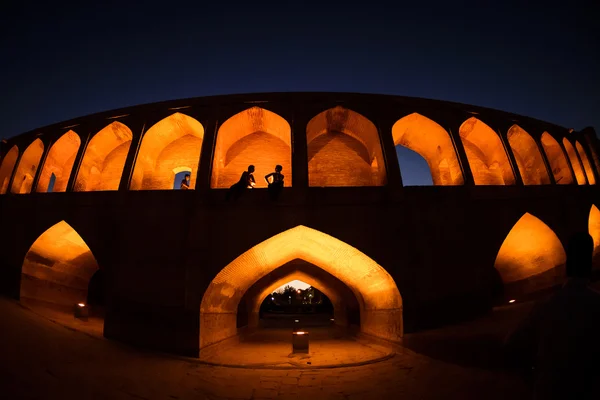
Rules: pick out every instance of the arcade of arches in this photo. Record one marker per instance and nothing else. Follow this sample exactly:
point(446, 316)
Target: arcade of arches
point(577, 169)
point(59, 162)
point(589, 173)
point(529, 159)
point(558, 161)
point(27, 168)
point(255, 136)
point(7, 167)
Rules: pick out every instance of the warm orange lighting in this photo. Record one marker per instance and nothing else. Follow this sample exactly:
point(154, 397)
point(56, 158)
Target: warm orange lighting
point(594, 231)
point(59, 162)
point(577, 169)
point(81, 305)
point(299, 333)
point(511, 301)
point(170, 145)
point(485, 152)
point(58, 267)
point(7, 167)
point(529, 159)
point(27, 167)
point(558, 161)
point(586, 164)
point(432, 142)
point(255, 136)
point(380, 300)
point(104, 159)
point(344, 150)
point(592, 142)
point(531, 248)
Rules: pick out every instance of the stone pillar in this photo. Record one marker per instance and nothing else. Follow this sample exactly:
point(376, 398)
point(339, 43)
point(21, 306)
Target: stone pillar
point(300, 153)
point(77, 163)
point(394, 177)
point(138, 128)
point(546, 161)
point(38, 172)
point(204, 170)
point(452, 125)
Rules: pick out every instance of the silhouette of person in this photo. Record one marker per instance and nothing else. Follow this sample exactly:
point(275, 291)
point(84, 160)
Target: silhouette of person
point(185, 183)
point(246, 182)
point(561, 336)
point(275, 185)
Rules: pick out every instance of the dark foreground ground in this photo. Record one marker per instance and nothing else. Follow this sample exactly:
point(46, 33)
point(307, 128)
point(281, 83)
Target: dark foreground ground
point(41, 359)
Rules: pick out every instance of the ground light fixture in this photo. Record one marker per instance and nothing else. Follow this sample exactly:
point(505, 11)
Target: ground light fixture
point(81, 311)
point(512, 301)
point(300, 342)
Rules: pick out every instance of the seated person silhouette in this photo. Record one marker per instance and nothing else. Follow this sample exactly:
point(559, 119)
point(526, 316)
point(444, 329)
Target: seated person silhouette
point(185, 183)
point(246, 182)
point(559, 341)
point(276, 182)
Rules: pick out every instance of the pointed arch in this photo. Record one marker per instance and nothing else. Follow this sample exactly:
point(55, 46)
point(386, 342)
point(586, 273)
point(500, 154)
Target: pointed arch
point(104, 159)
point(577, 168)
point(59, 162)
point(344, 150)
point(427, 138)
point(529, 159)
point(254, 136)
point(532, 255)
point(558, 161)
point(58, 267)
point(594, 231)
point(592, 143)
point(589, 172)
point(486, 154)
point(27, 168)
point(7, 167)
point(374, 288)
point(174, 142)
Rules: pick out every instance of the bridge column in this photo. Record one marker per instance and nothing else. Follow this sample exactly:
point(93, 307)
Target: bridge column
point(392, 167)
point(298, 124)
point(452, 125)
point(78, 160)
point(204, 169)
point(38, 173)
point(502, 132)
point(138, 128)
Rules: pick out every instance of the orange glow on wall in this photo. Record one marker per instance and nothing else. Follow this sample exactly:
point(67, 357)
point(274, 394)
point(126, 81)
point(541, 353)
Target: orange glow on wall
point(59, 162)
point(432, 142)
point(255, 136)
point(577, 168)
point(344, 150)
point(58, 267)
point(173, 144)
point(7, 167)
point(381, 313)
point(592, 143)
point(102, 164)
point(558, 161)
point(27, 167)
point(485, 152)
point(589, 172)
point(594, 231)
point(531, 248)
point(529, 159)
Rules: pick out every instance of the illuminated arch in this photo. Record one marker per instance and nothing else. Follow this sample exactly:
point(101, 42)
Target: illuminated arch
point(433, 143)
point(174, 142)
point(485, 153)
point(594, 231)
point(7, 167)
point(375, 289)
point(27, 167)
point(104, 159)
point(531, 255)
point(589, 172)
point(254, 136)
point(558, 161)
point(344, 150)
point(58, 267)
point(577, 169)
point(529, 159)
point(592, 146)
point(59, 162)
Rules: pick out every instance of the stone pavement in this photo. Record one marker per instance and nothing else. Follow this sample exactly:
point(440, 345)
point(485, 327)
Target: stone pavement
point(40, 359)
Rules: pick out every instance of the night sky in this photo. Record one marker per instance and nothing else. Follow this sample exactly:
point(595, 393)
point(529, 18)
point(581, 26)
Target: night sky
point(58, 63)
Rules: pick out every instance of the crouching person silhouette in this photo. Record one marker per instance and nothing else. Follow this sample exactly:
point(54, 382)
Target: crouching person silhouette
point(246, 182)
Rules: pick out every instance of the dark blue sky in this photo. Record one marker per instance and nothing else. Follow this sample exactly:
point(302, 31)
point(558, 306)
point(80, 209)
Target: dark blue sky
point(58, 62)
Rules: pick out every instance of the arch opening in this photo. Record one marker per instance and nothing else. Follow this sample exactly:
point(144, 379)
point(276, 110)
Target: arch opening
point(432, 142)
point(592, 143)
point(529, 159)
point(594, 231)
point(59, 163)
point(171, 143)
point(577, 168)
point(378, 296)
point(486, 155)
point(254, 136)
point(589, 172)
point(7, 167)
point(531, 258)
point(344, 150)
point(27, 168)
point(558, 161)
point(104, 159)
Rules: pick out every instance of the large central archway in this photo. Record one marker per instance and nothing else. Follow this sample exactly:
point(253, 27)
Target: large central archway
point(377, 294)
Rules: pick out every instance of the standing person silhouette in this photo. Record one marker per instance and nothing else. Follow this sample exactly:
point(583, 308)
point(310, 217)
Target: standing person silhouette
point(246, 182)
point(561, 336)
point(276, 183)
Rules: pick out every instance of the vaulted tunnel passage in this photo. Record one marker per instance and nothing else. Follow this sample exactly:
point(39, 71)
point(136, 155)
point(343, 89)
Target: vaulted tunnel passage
point(7, 167)
point(529, 159)
point(27, 168)
point(104, 159)
point(255, 136)
point(59, 163)
point(167, 147)
point(577, 168)
point(589, 172)
point(344, 150)
point(558, 161)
